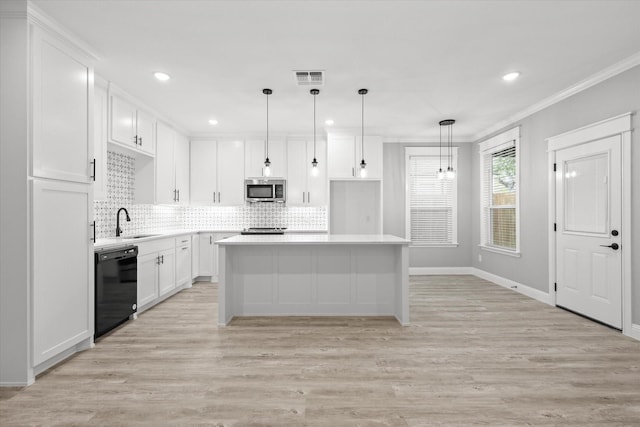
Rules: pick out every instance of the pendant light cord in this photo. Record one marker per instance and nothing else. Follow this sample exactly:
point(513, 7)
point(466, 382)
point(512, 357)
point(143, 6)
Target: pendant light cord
point(314, 126)
point(267, 141)
point(440, 148)
point(362, 142)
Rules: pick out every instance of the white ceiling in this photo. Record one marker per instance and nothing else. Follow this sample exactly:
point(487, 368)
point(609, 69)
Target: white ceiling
point(422, 61)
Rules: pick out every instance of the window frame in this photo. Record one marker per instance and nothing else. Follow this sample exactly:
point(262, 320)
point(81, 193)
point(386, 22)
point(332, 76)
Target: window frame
point(431, 152)
point(486, 148)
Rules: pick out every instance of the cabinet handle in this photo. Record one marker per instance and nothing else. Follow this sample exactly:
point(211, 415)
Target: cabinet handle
point(353, 171)
point(158, 260)
point(93, 162)
point(140, 139)
point(175, 197)
point(211, 240)
point(308, 197)
point(135, 139)
point(178, 195)
point(184, 241)
point(185, 248)
point(219, 198)
point(214, 197)
point(162, 256)
point(303, 197)
point(93, 225)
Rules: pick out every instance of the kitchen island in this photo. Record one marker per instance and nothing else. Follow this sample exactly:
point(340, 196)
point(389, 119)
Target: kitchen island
point(313, 275)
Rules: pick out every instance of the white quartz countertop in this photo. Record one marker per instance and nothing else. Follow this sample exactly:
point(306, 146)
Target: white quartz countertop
point(114, 242)
point(315, 239)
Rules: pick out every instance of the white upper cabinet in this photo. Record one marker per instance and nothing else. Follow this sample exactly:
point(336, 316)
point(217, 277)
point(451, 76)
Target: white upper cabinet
point(182, 169)
point(345, 155)
point(129, 126)
point(255, 157)
point(303, 187)
point(217, 173)
point(62, 96)
point(100, 142)
point(172, 166)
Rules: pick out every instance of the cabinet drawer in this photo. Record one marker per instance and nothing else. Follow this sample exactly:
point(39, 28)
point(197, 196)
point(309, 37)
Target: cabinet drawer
point(183, 241)
point(145, 248)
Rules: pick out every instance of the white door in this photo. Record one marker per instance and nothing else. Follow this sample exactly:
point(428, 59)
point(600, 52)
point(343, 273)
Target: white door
point(317, 184)
point(123, 116)
point(166, 192)
point(182, 168)
point(167, 271)
point(298, 166)
point(341, 157)
point(147, 278)
point(589, 216)
point(145, 126)
point(206, 254)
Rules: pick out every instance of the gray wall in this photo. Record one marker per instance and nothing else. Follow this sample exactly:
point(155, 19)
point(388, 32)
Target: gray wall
point(612, 97)
point(394, 207)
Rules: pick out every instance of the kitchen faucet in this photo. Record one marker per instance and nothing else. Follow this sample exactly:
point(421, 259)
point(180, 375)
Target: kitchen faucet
point(118, 230)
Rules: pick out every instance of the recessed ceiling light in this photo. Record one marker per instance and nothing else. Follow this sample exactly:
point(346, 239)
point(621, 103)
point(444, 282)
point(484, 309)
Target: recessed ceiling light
point(329, 122)
point(213, 122)
point(511, 76)
point(163, 77)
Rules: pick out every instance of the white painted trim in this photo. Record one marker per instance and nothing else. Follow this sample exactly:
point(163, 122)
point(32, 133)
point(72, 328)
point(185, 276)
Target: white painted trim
point(85, 344)
point(633, 332)
point(617, 125)
point(515, 286)
point(594, 131)
point(503, 138)
point(515, 254)
point(594, 79)
point(44, 21)
point(440, 271)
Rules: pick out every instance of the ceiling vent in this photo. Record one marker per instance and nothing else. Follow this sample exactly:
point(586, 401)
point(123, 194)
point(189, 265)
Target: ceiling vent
point(309, 78)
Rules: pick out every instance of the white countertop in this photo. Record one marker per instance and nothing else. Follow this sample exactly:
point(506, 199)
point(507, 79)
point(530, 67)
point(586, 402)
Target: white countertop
point(114, 242)
point(315, 239)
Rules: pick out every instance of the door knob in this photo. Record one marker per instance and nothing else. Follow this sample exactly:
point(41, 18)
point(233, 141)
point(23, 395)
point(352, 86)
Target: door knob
point(613, 246)
point(614, 232)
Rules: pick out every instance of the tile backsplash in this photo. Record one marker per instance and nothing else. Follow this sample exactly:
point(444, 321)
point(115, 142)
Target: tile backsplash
point(151, 218)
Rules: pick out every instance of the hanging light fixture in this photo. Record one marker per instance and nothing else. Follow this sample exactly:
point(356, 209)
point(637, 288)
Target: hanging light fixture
point(267, 163)
point(314, 163)
point(450, 173)
point(363, 164)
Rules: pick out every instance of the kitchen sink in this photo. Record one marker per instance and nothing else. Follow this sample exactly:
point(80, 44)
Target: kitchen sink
point(140, 236)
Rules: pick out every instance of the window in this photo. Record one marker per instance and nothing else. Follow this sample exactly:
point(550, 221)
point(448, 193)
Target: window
point(500, 192)
point(431, 203)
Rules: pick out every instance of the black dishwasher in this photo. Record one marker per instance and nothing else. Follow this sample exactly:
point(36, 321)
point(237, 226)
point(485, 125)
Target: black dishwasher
point(116, 283)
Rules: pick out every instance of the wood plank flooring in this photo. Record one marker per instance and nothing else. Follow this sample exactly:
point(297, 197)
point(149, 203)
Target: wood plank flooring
point(475, 353)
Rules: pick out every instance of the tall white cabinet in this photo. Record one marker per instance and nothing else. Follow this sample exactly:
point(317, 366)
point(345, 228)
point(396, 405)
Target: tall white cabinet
point(305, 188)
point(46, 267)
point(345, 153)
point(255, 157)
point(172, 166)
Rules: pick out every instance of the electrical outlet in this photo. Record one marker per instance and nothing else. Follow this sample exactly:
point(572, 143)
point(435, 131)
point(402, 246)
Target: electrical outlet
point(479, 257)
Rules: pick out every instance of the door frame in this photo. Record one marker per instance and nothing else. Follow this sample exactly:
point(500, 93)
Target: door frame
point(618, 125)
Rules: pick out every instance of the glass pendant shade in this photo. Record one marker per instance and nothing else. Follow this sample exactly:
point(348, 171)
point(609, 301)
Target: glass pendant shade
point(314, 163)
point(314, 167)
point(363, 164)
point(449, 173)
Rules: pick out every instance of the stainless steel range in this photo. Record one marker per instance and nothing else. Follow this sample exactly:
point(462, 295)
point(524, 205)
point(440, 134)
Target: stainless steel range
point(263, 230)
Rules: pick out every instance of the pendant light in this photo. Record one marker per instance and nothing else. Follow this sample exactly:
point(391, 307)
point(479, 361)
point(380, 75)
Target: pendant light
point(267, 163)
point(363, 164)
point(450, 173)
point(314, 163)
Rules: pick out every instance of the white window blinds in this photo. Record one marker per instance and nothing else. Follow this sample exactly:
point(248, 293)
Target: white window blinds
point(431, 202)
point(499, 166)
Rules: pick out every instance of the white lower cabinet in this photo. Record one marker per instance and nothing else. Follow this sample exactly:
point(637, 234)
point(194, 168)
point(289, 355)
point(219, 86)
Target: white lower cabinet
point(206, 255)
point(62, 261)
point(156, 270)
point(195, 255)
point(183, 261)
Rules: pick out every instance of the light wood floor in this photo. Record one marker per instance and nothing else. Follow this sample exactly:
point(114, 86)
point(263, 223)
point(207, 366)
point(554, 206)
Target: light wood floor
point(475, 353)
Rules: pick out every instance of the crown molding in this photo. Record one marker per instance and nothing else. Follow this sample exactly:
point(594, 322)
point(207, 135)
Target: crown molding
point(42, 20)
point(594, 79)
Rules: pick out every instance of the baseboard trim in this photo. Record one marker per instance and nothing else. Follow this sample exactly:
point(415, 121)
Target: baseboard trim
point(633, 332)
point(514, 286)
point(83, 345)
point(431, 271)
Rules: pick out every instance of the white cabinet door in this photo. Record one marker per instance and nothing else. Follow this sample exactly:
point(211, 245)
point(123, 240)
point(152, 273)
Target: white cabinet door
point(214, 253)
point(298, 168)
point(62, 263)
point(206, 254)
point(123, 120)
point(183, 264)
point(166, 271)
point(165, 173)
point(317, 184)
point(195, 256)
point(100, 115)
point(230, 173)
point(372, 155)
point(341, 157)
point(255, 157)
point(62, 88)
point(182, 168)
point(147, 278)
point(145, 132)
point(204, 185)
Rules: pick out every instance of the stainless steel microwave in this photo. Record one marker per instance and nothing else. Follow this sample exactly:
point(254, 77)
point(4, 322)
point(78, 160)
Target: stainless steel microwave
point(265, 190)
